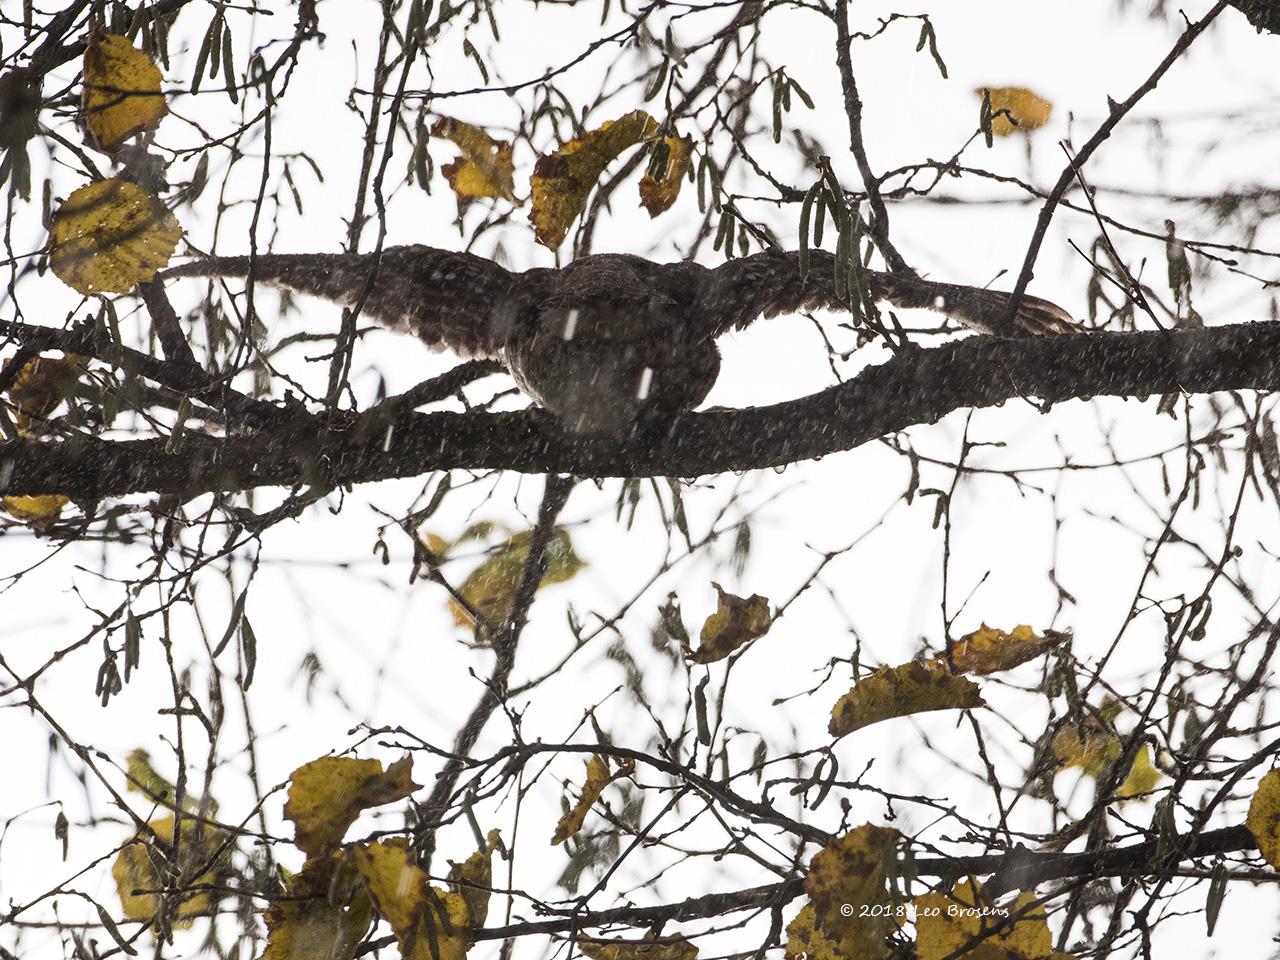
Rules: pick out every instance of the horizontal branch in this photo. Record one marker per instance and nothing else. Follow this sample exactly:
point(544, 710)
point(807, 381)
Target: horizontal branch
point(917, 386)
point(1028, 867)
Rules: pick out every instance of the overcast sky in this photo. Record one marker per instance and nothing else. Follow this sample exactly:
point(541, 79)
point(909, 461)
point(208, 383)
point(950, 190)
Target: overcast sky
point(390, 650)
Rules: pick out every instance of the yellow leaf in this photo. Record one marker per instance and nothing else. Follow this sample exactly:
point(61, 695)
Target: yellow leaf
point(485, 168)
point(437, 544)
point(490, 590)
point(1142, 777)
point(480, 530)
point(429, 923)
point(735, 622)
point(144, 866)
point(145, 779)
point(324, 913)
point(1093, 750)
point(650, 948)
point(1263, 820)
point(658, 193)
point(898, 691)
point(945, 923)
point(327, 795)
point(1026, 110)
point(849, 874)
point(473, 879)
point(598, 777)
point(110, 236)
point(121, 91)
point(41, 385)
point(804, 939)
point(37, 510)
point(395, 882)
point(562, 180)
point(988, 650)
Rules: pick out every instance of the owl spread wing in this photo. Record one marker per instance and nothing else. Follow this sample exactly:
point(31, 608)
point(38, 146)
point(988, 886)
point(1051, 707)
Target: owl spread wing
point(769, 283)
point(456, 300)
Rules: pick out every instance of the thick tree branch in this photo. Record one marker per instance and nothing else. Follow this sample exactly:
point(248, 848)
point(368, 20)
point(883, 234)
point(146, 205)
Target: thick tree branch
point(918, 386)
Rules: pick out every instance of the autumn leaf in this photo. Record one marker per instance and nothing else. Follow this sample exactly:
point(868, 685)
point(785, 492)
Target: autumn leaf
point(142, 866)
point(988, 650)
point(121, 95)
point(1142, 776)
point(485, 168)
point(914, 687)
point(1263, 820)
point(735, 622)
point(473, 879)
point(562, 179)
point(598, 777)
point(650, 948)
point(110, 236)
point(40, 386)
point(429, 923)
point(1092, 749)
point(804, 939)
point(395, 882)
point(145, 779)
point(660, 185)
point(328, 794)
point(1026, 110)
point(491, 588)
point(437, 544)
point(324, 912)
point(442, 546)
point(945, 923)
point(37, 510)
point(851, 873)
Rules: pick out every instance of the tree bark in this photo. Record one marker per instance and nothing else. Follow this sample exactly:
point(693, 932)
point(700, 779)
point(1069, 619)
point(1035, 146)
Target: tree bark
point(1263, 14)
point(916, 387)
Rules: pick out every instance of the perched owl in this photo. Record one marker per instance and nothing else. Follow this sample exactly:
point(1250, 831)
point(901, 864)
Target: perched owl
point(610, 338)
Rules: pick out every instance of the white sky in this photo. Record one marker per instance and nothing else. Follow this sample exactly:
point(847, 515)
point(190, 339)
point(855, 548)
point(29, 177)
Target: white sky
point(391, 650)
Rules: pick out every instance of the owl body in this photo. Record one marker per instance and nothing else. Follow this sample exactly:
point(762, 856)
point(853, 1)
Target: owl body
point(609, 339)
point(612, 344)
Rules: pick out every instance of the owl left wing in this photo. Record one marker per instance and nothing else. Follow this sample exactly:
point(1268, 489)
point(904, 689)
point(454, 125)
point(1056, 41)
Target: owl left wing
point(769, 283)
point(456, 300)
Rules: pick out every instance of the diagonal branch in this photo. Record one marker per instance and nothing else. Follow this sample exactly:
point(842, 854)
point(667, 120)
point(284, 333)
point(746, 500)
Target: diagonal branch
point(1118, 112)
point(504, 641)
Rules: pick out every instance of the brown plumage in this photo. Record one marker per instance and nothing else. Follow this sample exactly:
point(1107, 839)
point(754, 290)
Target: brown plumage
point(610, 337)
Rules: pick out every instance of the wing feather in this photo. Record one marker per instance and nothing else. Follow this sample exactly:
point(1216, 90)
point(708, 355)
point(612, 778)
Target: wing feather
point(456, 300)
point(769, 283)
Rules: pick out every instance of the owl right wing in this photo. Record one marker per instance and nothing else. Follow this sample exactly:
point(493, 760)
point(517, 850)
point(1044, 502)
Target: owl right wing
point(769, 283)
point(456, 300)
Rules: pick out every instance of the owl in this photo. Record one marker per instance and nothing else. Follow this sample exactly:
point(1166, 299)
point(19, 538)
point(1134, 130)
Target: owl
point(610, 339)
